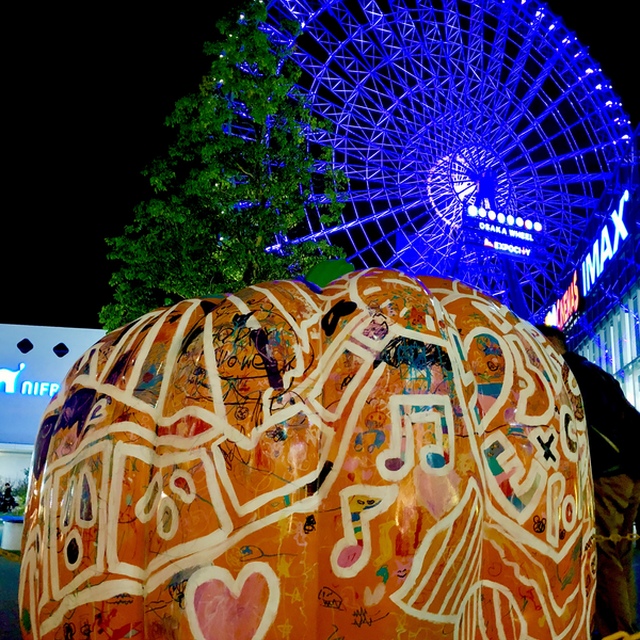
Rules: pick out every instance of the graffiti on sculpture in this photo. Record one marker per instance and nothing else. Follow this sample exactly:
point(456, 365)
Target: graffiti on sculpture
point(392, 455)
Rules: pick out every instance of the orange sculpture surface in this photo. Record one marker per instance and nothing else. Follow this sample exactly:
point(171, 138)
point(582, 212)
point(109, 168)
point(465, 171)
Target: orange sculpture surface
point(390, 457)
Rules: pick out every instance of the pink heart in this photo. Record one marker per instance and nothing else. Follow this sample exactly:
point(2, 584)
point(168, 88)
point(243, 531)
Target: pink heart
point(228, 609)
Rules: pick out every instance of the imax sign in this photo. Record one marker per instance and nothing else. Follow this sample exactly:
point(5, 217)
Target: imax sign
point(613, 233)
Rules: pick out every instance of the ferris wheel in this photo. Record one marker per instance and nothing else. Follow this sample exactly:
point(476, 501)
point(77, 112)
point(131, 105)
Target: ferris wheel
point(477, 137)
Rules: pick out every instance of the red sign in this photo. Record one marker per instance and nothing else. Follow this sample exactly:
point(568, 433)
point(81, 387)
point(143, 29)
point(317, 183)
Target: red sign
point(566, 306)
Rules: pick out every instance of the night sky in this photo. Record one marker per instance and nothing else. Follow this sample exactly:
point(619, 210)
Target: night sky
point(86, 92)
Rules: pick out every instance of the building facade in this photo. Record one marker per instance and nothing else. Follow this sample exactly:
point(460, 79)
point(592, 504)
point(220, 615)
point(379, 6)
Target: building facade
point(600, 307)
point(33, 362)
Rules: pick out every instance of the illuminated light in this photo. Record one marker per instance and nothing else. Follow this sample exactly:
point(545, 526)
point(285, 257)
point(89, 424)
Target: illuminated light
point(603, 249)
point(551, 319)
point(33, 388)
point(566, 306)
point(9, 377)
point(512, 248)
point(520, 235)
point(501, 218)
point(507, 247)
point(485, 226)
point(589, 71)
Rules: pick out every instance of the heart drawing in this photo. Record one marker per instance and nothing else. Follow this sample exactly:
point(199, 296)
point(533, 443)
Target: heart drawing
point(223, 608)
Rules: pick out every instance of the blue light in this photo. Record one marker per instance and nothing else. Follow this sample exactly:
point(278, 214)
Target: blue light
point(438, 132)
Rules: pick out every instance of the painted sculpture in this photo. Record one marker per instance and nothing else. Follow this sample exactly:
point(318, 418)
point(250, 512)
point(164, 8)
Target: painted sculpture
point(389, 457)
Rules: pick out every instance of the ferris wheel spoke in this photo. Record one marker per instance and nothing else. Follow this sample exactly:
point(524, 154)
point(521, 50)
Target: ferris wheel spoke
point(492, 94)
point(359, 222)
point(515, 69)
point(412, 246)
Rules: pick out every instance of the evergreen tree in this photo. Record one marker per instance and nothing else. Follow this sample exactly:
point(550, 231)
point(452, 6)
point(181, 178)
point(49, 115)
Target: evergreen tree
point(232, 190)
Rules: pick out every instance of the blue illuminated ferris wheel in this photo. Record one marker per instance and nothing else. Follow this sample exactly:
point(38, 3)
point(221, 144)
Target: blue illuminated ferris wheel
point(477, 135)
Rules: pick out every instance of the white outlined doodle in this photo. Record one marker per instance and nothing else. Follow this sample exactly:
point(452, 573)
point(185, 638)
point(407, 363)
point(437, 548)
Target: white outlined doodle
point(431, 417)
point(429, 592)
point(217, 604)
point(359, 505)
point(387, 457)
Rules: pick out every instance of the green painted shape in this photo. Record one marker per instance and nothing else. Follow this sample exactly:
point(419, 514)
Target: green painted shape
point(328, 271)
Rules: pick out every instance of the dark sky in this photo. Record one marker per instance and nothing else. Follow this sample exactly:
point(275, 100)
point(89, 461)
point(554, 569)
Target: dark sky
point(86, 92)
